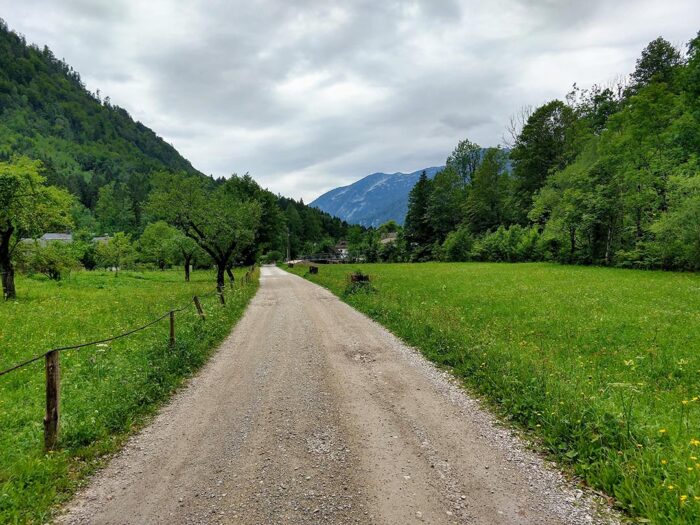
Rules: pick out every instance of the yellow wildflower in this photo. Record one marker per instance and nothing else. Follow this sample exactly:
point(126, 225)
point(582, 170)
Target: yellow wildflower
point(663, 461)
point(685, 401)
point(695, 442)
point(683, 498)
point(662, 431)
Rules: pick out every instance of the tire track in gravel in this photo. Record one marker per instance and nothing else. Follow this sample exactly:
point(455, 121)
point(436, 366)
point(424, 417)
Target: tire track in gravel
point(312, 413)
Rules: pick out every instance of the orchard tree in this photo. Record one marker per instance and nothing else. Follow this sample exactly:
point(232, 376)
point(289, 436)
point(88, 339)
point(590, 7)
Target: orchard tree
point(117, 252)
point(216, 217)
point(28, 208)
point(186, 248)
point(156, 244)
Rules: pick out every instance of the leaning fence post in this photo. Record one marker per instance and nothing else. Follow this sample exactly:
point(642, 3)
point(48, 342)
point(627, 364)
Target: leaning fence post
point(53, 387)
point(172, 328)
point(198, 306)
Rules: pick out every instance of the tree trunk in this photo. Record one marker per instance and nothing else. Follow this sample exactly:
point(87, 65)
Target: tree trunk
point(230, 275)
point(188, 260)
point(6, 268)
point(220, 276)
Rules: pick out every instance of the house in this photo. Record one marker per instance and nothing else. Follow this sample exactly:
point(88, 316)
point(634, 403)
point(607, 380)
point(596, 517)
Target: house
point(51, 237)
point(389, 238)
point(341, 249)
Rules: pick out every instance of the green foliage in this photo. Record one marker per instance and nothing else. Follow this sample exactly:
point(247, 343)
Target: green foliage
point(418, 225)
point(458, 246)
point(107, 390)
point(608, 177)
point(118, 252)
point(221, 218)
point(83, 142)
point(158, 244)
point(488, 198)
point(54, 260)
point(28, 208)
point(465, 160)
point(608, 381)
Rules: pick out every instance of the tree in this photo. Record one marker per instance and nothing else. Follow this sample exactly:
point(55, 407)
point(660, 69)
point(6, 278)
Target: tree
point(28, 208)
point(53, 260)
point(545, 144)
point(445, 203)
point(216, 218)
point(417, 227)
point(117, 252)
point(657, 63)
point(485, 208)
point(156, 244)
point(465, 159)
point(186, 248)
point(115, 209)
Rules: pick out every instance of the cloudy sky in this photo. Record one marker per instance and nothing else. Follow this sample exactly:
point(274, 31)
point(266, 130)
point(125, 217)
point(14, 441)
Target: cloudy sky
point(307, 95)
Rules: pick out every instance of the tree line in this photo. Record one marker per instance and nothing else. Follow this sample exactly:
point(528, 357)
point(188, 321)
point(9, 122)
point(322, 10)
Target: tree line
point(608, 176)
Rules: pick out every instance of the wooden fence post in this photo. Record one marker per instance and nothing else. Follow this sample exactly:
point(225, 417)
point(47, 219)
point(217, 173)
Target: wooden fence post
point(53, 392)
point(198, 306)
point(172, 328)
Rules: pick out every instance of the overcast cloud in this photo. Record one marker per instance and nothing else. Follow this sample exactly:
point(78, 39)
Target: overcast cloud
point(309, 95)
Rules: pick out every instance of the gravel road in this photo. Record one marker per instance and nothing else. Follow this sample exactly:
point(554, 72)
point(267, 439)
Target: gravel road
point(312, 413)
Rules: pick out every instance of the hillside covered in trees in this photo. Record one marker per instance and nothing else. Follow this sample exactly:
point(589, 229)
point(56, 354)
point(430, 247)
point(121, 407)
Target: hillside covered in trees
point(72, 162)
point(609, 176)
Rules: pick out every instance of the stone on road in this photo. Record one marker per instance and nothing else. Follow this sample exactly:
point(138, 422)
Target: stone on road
point(312, 413)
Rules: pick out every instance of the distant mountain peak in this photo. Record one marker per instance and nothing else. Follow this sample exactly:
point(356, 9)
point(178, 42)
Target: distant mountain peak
point(374, 199)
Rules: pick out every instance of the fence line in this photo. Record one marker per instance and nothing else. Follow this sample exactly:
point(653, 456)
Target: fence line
point(52, 365)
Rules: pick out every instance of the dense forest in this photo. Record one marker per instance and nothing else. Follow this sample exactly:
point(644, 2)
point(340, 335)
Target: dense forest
point(608, 176)
point(73, 162)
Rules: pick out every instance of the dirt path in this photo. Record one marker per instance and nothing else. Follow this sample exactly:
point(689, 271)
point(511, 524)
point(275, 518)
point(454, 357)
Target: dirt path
point(311, 413)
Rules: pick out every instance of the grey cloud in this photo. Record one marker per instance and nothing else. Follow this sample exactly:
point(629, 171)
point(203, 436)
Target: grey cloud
point(308, 95)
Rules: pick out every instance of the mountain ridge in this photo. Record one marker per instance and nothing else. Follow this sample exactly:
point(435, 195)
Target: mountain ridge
point(374, 199)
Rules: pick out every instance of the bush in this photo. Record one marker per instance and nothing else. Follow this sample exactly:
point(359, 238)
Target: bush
point(53, 260)
point(271, 257)
point(457, 246)
point(512, 244)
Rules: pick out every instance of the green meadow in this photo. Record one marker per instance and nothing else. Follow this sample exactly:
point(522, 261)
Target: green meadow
point(107, 390)
point(601, 365)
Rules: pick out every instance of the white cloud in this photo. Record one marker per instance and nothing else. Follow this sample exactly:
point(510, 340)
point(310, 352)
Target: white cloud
point(310, 95)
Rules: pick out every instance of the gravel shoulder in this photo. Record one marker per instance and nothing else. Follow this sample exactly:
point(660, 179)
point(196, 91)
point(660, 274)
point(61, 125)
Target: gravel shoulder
point(312, 413)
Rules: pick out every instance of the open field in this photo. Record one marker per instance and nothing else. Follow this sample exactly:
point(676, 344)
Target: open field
point(106, 390)
point(603, 365)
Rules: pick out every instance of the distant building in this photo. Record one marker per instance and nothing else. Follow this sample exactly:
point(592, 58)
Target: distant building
point(62, 237)
point(389, 238)
point(341, 249)
point(51, 237)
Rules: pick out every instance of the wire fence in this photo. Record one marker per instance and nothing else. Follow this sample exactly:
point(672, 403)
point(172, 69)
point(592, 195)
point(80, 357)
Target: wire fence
point(52, 363)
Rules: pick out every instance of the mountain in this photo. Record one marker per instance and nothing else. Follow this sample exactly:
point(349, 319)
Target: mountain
point(84, 142)
point(373, 200)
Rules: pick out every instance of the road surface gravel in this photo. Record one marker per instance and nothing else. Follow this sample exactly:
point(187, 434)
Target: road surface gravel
point(311, 413)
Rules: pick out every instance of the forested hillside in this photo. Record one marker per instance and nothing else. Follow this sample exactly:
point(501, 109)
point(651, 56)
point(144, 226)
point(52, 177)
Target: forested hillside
point(71, 162)
point(610, 175)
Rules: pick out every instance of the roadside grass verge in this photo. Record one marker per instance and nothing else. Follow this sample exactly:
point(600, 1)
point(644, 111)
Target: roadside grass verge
point(603, 365)
point(106, 391)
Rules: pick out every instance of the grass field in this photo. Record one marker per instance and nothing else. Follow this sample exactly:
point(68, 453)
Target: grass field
point(106, 390)
point(603, 365)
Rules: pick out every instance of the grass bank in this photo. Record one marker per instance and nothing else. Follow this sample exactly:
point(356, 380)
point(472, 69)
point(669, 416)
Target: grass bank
point(106, 391)
point(602, 364)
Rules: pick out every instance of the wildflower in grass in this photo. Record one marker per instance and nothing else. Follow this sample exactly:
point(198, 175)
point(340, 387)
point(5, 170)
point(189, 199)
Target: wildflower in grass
point(662, 431)
point(694, 458)
point(683, 498)
point(695, 442)
point(663, 461)
point(685, 401)
point(671, 487)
